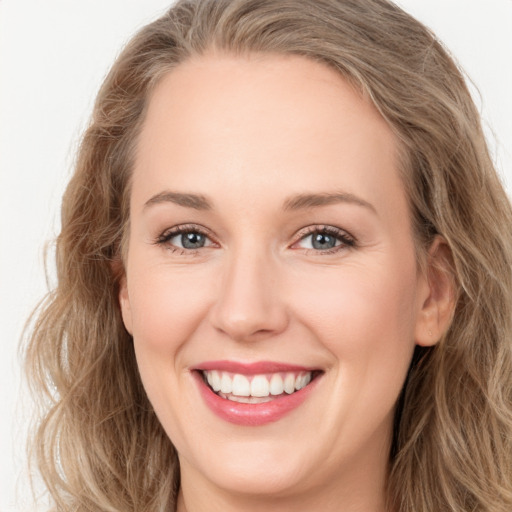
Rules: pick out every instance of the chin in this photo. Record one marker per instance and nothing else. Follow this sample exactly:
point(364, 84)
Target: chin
point(259, 479)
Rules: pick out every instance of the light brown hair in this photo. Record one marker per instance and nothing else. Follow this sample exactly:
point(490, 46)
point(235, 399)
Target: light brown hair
point(99, 445)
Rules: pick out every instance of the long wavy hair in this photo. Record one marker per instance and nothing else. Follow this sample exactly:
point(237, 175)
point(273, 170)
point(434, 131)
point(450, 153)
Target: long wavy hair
point(98, 443)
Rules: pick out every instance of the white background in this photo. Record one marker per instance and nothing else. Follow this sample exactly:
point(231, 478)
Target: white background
point(53, 56)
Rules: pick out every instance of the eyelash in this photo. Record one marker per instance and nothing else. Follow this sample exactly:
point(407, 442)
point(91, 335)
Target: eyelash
point(169, 234)
point(347, 240)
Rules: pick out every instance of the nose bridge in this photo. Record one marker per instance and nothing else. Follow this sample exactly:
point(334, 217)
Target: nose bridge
point(249, 304)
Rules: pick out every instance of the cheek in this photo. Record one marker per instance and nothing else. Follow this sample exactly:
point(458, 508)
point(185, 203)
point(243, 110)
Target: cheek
point(346, 303)
point(167, 305)
point(365, 316)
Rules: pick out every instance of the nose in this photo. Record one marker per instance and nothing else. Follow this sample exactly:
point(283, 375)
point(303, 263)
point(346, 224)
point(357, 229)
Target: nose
point(250, 304)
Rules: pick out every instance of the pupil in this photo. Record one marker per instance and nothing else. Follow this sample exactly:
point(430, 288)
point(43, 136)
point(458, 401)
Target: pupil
point(323, 241)
point(192, 240)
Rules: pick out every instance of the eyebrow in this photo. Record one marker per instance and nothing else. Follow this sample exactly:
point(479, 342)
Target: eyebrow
point(296, 202)
point(304, 201)
point(195, 201)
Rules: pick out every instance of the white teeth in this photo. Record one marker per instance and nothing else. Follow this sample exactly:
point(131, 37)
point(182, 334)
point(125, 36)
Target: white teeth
point(215, 384)
point(302, 381)
point(260, 386)
point(214, 380)
point(241, 385)
point(289, 383)
point(276, 384)
point(256, 386)
point(226, 383)
point(248, 399)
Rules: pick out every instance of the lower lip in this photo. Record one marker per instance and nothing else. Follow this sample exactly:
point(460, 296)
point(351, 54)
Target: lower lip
point(252, 415)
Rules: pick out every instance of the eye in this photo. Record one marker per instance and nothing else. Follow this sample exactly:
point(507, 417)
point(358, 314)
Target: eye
point(186, 238)
point(191, 240)
point(324, 239)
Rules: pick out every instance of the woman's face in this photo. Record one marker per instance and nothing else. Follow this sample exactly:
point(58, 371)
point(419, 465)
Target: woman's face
point(270, 250)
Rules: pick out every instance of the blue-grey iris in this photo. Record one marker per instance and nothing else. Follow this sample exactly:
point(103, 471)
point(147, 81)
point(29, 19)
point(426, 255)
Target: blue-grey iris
point(192, 240)
point(323, 241)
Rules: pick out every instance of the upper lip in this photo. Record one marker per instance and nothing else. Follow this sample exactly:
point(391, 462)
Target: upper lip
point(252, 368)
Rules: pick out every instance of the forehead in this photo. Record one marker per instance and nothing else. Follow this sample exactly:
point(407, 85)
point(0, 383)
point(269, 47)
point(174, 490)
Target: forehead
point(263, 122)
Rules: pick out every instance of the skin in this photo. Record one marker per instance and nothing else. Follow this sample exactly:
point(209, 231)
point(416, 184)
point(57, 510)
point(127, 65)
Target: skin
point(248, 134)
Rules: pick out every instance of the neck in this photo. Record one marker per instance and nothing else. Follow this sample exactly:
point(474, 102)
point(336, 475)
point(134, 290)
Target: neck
point(324, 502)
point(357, 491)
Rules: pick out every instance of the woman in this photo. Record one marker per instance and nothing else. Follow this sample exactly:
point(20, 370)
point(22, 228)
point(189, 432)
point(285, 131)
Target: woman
point(284, 274)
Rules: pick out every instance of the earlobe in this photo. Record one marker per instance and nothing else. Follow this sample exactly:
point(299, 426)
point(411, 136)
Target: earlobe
point(439, 296)
point(119, 274)
point(124, 303)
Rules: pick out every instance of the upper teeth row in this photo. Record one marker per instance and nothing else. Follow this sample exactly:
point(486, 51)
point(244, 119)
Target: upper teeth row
point(257, 385)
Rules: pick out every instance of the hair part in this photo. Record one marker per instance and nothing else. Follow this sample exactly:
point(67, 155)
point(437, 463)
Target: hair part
point(99, 445)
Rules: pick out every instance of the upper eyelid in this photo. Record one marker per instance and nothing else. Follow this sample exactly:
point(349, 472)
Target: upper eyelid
point(318, 228)
point(173, 231)
point(299, 235)
point(187, 227)
point(346, 239)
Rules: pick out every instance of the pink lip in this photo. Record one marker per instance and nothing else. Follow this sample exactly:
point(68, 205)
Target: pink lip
point(252, 368)
point(251, 414)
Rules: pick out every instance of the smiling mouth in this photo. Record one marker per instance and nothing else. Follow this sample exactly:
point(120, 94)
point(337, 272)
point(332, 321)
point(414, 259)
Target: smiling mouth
point(259, 388)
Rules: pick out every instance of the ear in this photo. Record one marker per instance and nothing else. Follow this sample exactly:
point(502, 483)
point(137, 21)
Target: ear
point(437, 295)
point(124, 299)
point(124, 303)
